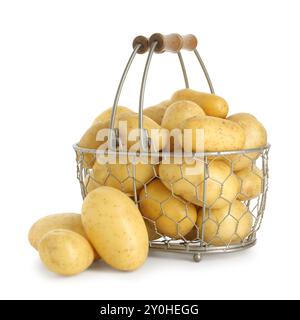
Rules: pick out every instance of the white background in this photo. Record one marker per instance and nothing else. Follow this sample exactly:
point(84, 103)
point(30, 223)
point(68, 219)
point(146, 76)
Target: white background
point(60, 62)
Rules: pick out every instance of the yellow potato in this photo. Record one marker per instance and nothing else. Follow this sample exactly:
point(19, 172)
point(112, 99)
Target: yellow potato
point(212, 105)
point(90, 141)
point(120, 176)
point(186, 180)
point(165, 104)
point(159, 137)
point(116, 228)
point(106, 115)
point(179, 111)
point(68, 221)
point(90, 184)
point(219, 134)
point(255, 137)
point(229, 225)
point(65, 252)
point(193, 235)
point(173, 216)
point(157, 112)
point(251, 183)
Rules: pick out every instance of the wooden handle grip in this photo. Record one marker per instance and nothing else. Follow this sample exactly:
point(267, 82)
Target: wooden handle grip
point(189, 42)
point(143, 42)
point(172, 42)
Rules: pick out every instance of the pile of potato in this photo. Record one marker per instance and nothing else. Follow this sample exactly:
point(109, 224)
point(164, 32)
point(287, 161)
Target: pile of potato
point(112, 227)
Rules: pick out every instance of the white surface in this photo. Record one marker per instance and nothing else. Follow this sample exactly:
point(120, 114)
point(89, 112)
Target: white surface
point(60, 62)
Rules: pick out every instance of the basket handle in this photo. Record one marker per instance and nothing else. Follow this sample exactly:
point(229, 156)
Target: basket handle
point(190, 42)
point(143, 43)
point(173, 42)
point(157, 43)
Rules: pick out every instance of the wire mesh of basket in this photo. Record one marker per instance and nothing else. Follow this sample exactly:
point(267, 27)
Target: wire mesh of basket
point(197, 203)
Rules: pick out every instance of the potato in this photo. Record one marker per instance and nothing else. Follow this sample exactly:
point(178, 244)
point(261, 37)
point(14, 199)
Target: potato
point(65, 252)
point(159, 137)
point(193, 235)
point(165, 104)
point(255, 137)
point(180, 111)
point(157, 112)
point(219, 134)
point(116, 228)
point(106, 115)
point(120, 176)
point(231, 224)
point(173, 216)
point(90, 184)
point(68, 221)
point(211, 104)
point(89, 141)
point(186, 180)
point(251, 183)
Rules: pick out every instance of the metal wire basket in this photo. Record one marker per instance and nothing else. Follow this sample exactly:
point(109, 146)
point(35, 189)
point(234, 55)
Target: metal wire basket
point(222, 212)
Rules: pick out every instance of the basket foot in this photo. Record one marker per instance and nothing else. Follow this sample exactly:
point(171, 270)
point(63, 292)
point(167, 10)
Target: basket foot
point(197, 257)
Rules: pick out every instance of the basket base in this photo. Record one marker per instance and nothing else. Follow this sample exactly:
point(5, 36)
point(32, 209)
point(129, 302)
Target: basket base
point(197, 250)
point(197, 257)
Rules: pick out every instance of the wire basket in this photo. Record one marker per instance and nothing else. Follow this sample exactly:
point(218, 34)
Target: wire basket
point(208, 211)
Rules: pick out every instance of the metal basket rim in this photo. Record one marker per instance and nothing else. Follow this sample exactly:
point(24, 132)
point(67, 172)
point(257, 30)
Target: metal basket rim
point(196, 247)
point(76, 147)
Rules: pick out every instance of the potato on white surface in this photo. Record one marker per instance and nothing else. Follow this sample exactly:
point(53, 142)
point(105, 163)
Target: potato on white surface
point(65, 252)
point(116, 228)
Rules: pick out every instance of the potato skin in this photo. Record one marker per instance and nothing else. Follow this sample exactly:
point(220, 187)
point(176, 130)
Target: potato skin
point(120, 176)
point(219, 134)
point(116, 228)
point(165, 104)
point(157, 111)
point(157, 204)
point(90, 184)
point(179, 111)
point(148, 124)
point(189, 185)
point(255, 137)
point(251, 180)
point(89, 141)
point(212, 104)
point(228, 225)
point(106, 115)
point(193, 235)
point(65, 252)
point(68, 221)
